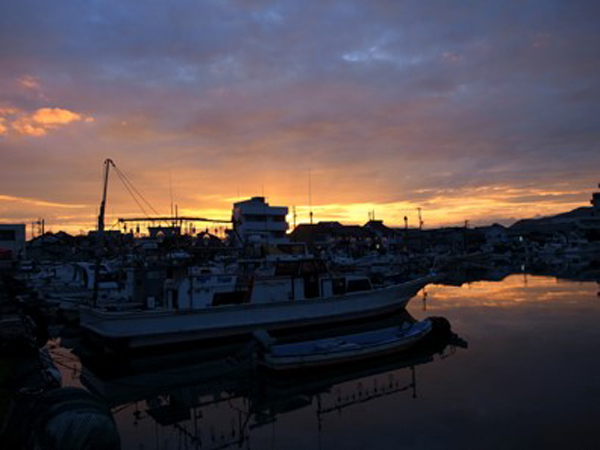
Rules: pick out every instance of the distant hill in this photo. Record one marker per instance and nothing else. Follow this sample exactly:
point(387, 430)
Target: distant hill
point(563, 218)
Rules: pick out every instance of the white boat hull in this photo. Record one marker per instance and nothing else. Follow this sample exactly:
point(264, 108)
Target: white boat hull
point(158, 327)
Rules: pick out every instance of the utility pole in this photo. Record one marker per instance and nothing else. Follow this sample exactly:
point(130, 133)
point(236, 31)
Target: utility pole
point(420, 229)
point(465, 236)
point(406, 232)
point(39, 227)
point(310, 213)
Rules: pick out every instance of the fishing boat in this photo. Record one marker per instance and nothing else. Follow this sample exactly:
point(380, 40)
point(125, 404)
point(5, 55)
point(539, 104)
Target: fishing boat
point(281, 302)
point(341, 349)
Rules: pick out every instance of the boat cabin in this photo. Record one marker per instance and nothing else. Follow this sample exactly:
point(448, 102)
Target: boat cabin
point(301, 279)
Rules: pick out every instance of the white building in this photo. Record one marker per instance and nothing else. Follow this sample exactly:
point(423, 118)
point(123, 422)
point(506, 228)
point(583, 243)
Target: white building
point(254, 221)
point(12, 240)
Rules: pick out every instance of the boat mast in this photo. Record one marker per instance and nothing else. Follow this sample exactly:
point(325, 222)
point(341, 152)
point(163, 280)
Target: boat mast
point(107, 163)
point(100, 235)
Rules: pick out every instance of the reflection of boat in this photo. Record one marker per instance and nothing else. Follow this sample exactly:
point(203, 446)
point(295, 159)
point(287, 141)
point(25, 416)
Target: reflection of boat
point(218, 401)
point(341, 349)
point(121, 380)
point(122, 377)
point(334, 386)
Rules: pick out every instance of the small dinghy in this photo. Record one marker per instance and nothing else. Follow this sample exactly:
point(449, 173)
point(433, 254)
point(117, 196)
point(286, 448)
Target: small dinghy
point(340, 349)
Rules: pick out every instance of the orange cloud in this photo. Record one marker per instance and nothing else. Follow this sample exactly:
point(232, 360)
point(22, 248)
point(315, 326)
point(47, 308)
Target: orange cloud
point(40, 121)
point(8, 111)
point(25, 126)
point(55, 116)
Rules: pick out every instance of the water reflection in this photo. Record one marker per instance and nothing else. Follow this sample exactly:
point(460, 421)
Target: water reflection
point(512, 291)
point(528, 380)
point(219, 398)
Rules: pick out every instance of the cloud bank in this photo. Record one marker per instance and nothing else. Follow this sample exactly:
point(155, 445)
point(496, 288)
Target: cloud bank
point(476, 111)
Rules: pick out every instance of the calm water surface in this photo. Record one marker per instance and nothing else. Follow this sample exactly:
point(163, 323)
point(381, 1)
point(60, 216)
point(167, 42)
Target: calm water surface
point(530, 378)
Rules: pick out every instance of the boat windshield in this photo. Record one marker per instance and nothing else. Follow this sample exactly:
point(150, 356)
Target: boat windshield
point(300, 268)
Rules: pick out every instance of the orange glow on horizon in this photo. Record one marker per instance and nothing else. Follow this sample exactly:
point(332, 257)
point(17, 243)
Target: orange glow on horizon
point(480, 206)
point(350, 214)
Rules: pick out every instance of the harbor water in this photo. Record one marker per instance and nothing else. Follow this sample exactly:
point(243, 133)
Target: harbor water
point(527, 379)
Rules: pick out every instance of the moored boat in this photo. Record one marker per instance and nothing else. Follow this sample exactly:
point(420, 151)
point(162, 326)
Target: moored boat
point(341, 349)
point(159, 326)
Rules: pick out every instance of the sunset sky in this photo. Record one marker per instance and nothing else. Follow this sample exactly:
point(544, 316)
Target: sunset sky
point(474, 110)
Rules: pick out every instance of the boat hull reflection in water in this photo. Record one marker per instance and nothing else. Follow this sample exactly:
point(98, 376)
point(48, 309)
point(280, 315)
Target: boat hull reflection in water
point(218, 397)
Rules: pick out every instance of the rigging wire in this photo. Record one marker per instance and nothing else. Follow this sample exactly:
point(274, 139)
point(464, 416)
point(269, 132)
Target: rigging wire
point(131, 192)
point(125, 177)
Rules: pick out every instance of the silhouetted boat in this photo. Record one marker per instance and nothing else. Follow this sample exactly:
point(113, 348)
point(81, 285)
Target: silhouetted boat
point(142, 328)
point(341, 349)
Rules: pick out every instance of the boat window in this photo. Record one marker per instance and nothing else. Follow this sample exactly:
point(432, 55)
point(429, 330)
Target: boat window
point(308, 267)
point(312, 267)
point(286, 268)
point(361, 284)
point(339, 286)
point(230, 298)
point(321, 266)
point(292, 248)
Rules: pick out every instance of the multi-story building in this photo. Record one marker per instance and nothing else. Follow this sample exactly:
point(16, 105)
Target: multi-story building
point(12, 241)
point(255, 221)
